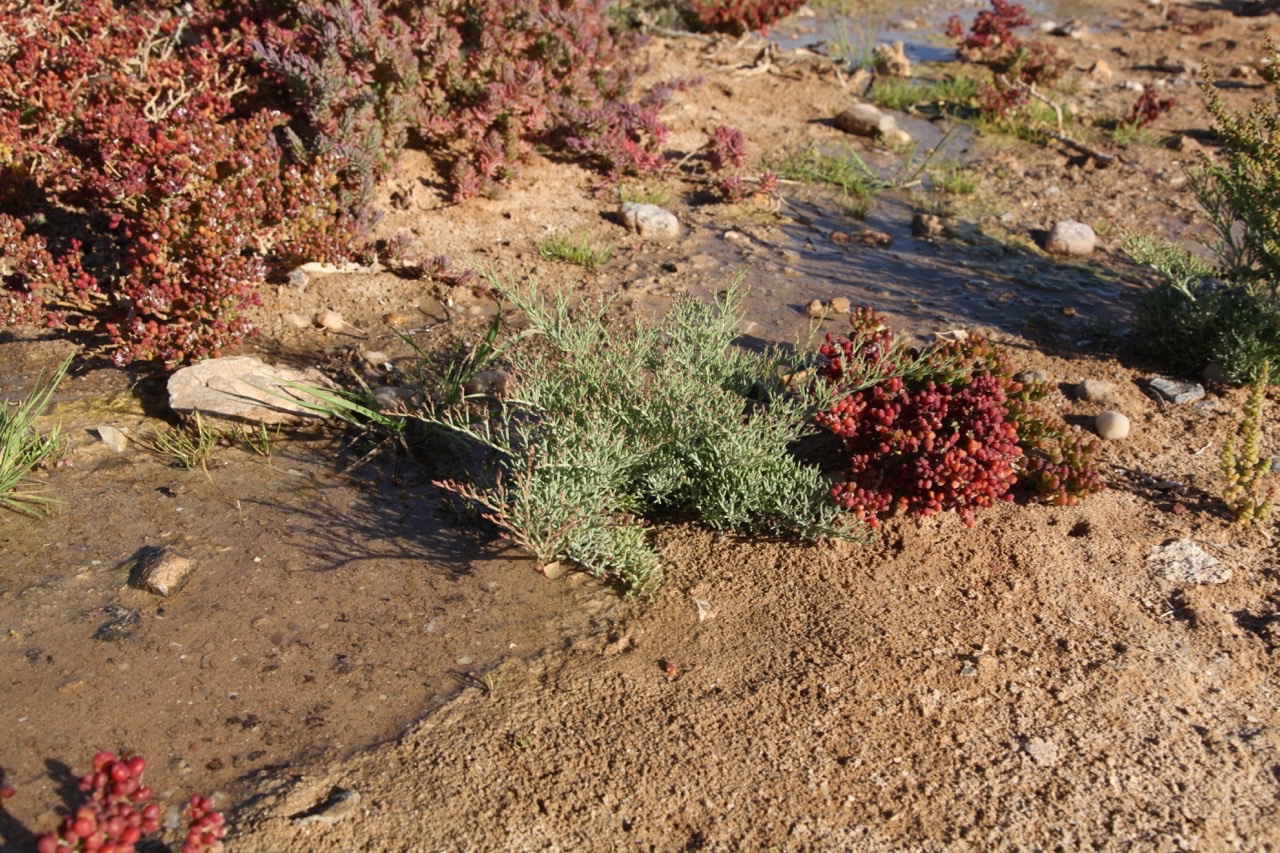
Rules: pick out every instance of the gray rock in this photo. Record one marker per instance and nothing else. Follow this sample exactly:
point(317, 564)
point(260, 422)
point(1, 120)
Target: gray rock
point(1069, 237)
point(1031, 377)
point(1112, 426)
point(1183, 561)
point(1096, 391)
point(163, 573)
point(243, 389)
point(1043, 752)
point(868, 120)
point(1176, 392)
point(649, 221)
point(113, 438)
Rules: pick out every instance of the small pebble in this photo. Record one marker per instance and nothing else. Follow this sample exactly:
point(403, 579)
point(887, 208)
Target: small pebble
point(839, 305)
point(1112, 425)
point(1069, 237)
point(1096, 391)
point(815, 310)
point(398, 319)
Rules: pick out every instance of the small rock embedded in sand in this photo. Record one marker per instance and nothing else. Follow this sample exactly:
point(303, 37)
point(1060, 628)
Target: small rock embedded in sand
point(113, 438)
point(815, 310)
point(1177, 392)
point(1183, 561)
point(929, 226)
point(340, 804)
point(869, 120)
point(649, 221)
point(890, 60)
point(1101, 71)
point(163, 573)
point(1112, 426)
point(1031, 377)
point(839, 305)
point(1070, 237)
point(1096, 391)
point(1043, 752)
point(488, 383)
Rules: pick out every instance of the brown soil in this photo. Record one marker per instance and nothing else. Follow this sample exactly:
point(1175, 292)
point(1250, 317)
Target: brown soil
point(1029, 683)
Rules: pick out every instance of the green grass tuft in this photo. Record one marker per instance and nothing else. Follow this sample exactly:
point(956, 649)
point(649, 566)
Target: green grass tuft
point(571, 249)
point(23, 449)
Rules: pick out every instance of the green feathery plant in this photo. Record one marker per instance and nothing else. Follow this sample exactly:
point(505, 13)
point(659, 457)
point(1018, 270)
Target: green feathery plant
point(1194, 318)
point(1246, 471)
point(23, 449)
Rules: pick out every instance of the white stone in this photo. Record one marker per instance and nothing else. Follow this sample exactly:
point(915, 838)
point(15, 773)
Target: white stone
point(1069, 237)
point(1184, 561)
point(649, 221)
point(113, 438)
point(1112, 425)
point(243, 389)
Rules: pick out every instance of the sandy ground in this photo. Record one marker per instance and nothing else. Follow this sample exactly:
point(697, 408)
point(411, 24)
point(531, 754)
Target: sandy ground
point(1031, 683)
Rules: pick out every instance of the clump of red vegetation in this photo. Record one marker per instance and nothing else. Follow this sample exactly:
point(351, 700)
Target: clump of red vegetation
point(958, 434)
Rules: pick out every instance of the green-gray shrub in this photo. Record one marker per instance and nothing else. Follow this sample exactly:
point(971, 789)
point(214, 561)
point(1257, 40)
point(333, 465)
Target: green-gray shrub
point(1193, 318)
point(1226, 313)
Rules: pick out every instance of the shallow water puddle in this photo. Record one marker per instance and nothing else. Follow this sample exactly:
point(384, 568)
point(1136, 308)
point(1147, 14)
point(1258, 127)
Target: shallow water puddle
point(326, 613)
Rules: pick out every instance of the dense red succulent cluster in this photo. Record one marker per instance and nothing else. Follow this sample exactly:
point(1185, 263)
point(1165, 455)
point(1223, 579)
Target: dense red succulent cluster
point(158, 161)
point(1149, 107)
point(476, 83)
point(120, 812)
point(958, 435)
point(1016, 64)
point(118, 126)
point(738, 16)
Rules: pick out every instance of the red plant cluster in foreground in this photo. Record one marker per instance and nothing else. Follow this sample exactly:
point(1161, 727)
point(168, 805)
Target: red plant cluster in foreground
point(957, 435)
point(120, 812)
